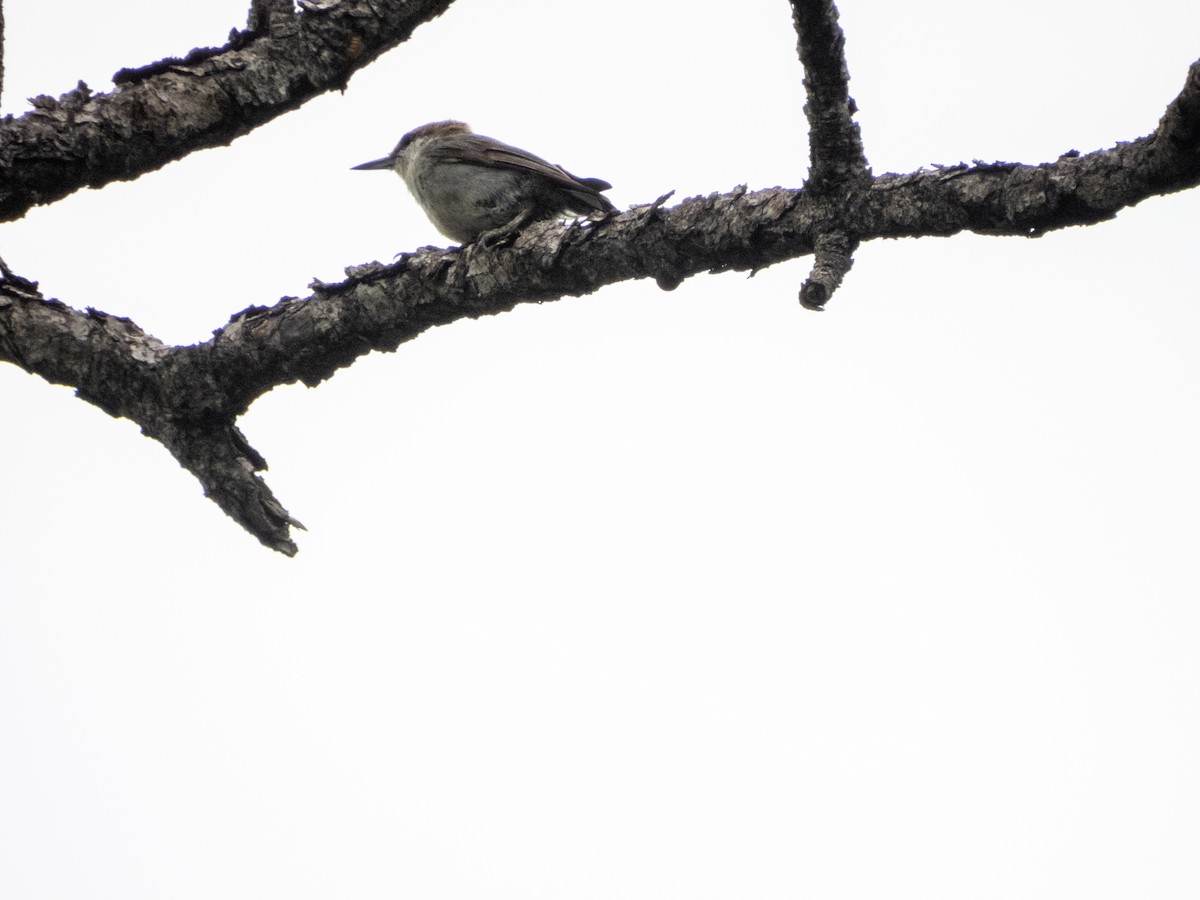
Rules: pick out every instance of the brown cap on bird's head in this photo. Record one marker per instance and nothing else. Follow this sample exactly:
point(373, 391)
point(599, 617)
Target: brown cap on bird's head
point(433, 129)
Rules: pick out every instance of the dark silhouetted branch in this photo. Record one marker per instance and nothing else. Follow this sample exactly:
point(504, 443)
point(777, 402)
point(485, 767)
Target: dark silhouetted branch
point(835, 145)
point(206, 99)
point(831, 262)
point(116, 366)
point(837, 161)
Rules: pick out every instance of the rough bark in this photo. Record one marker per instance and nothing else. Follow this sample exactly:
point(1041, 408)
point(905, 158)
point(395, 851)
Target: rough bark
point(835, 147)
point(837, 160)
point(189, 398)
point(161, 112)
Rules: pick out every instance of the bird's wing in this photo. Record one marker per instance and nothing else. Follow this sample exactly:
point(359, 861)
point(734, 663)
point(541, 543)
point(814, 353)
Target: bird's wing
point(485, 151)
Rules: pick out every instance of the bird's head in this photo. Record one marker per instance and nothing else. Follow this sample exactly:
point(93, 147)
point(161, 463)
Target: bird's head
point(400, 158)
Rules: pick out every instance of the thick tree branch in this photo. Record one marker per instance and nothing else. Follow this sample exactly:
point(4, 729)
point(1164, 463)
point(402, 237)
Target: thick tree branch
point(378, 307)
point(162, 112)
point(837, 161)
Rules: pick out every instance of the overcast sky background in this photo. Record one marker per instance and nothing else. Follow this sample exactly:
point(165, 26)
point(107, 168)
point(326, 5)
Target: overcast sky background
point(641, 595)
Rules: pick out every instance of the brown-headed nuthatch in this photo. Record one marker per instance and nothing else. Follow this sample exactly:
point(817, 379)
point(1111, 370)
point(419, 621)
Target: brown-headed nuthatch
point(475, 188)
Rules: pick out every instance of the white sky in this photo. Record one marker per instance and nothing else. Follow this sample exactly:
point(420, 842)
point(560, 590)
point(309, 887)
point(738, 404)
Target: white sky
point(642, 595)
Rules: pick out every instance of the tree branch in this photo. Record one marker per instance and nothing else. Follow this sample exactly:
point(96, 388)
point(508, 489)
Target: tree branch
point(380, 306)
point(163, 111)
point(836, 155)
point(189, 398)
point(116, 366)
point(837, 161)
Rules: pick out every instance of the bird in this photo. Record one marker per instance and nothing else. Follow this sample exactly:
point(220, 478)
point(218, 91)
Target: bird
point(476, 189)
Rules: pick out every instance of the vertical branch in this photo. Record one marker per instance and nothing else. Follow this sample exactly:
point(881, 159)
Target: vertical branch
point(835, 144)
point(837, 161)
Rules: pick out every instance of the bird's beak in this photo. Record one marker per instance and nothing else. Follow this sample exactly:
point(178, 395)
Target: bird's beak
point(386, 163)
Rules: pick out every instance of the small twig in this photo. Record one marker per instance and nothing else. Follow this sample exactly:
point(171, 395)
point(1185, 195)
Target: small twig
point(225, 463)
point(832, 260)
